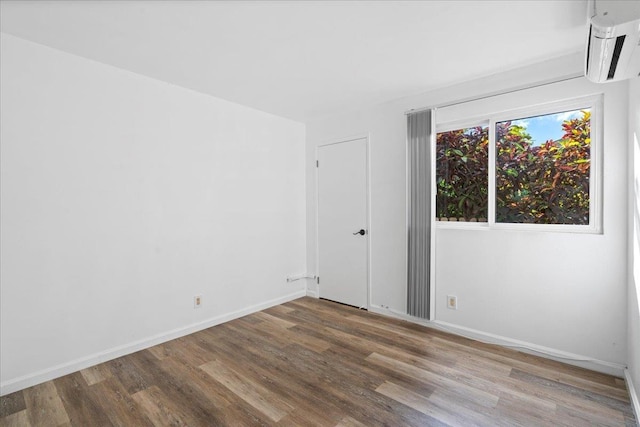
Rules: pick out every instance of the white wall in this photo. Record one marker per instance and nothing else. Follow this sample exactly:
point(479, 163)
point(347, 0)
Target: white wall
point(122, 198)
point(634, 243)
point(556, 292)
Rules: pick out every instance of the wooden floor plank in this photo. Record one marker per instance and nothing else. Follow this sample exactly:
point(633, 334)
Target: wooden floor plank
point(292, 334)
point(316, 363)
point(572, 417)
point(522, 413)
point(44, 406)
point(161, 351)
point(350, 422)
point(12, 403)
point(79, 402)
point(292, 384)
point(340, 386)
point(465, 412)
point(216, 395)
point(118, 404)
point(160, 410)
point(180, 388)
point(282, 309)
point(301, 417)
point(616, 407)
point(454, 415)
point(411, 399)
point(249, 391)
point(309, 364)
point(16, 419)
point(187, 349)
point(460, 373)
point(572, 375)
point(132, 378)
point(95, 374)
point(555, 366)
point(274, 320)
point(463, 391)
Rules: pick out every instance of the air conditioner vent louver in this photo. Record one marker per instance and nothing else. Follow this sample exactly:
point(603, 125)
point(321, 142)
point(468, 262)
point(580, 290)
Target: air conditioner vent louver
point(616, 56)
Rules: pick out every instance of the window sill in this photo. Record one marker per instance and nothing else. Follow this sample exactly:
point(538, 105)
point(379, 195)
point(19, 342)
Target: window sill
point(539, 228)
point(462, 225)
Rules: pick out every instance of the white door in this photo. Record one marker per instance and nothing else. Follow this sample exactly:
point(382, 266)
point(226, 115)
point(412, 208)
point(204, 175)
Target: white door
point(342, 222)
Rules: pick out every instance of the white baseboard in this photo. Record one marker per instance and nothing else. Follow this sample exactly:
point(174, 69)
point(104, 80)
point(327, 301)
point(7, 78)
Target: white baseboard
point(633, 392)
point(586, 362)
point(113, 353)
point(312, 293)
point(397, 314)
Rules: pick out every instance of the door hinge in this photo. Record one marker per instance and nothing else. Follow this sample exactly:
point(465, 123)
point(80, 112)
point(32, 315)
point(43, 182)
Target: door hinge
point(317, 163)
point(318, 280)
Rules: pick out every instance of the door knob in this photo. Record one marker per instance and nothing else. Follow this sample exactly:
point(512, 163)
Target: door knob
point(361, 232)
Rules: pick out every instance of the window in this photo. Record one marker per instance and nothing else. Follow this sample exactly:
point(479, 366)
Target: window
point(543, 169)
point(462, 161)
point(533, 168)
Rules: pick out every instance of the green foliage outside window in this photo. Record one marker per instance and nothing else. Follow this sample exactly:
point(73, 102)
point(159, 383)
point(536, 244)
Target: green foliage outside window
point(547, 183)
point(462, 174)
point(544, 183)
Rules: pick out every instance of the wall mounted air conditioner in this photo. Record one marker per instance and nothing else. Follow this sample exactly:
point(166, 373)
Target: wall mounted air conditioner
point(613, 50)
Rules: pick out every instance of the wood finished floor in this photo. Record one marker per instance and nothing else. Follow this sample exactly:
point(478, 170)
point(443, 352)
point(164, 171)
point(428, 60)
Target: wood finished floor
point(312, 362)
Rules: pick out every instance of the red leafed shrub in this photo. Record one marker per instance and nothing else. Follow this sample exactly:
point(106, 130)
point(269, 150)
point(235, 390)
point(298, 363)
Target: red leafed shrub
point(539, 184)
point(462, 173)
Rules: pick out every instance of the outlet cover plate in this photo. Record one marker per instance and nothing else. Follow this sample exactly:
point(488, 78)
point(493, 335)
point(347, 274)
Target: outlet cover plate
point(452, 302)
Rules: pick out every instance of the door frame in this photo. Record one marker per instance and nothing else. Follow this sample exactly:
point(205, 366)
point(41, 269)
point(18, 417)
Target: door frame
point(364, 136)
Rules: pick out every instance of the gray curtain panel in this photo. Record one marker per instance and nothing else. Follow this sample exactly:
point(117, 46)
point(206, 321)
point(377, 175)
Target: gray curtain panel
point(419, 211)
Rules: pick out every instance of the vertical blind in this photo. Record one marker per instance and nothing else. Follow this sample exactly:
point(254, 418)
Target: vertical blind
point(419, 211)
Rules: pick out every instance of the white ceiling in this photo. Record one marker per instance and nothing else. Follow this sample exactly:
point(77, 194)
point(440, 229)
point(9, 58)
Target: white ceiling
point(303, 60)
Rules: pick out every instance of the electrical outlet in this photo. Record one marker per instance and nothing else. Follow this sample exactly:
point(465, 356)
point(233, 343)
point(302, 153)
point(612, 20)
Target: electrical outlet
point(452, 302)
point(197, 301)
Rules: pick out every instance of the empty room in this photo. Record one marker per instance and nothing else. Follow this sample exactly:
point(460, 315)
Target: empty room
point(320, 213)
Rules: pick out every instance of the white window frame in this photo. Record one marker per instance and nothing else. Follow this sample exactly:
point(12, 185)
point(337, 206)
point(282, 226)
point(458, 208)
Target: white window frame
point(595, 104)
